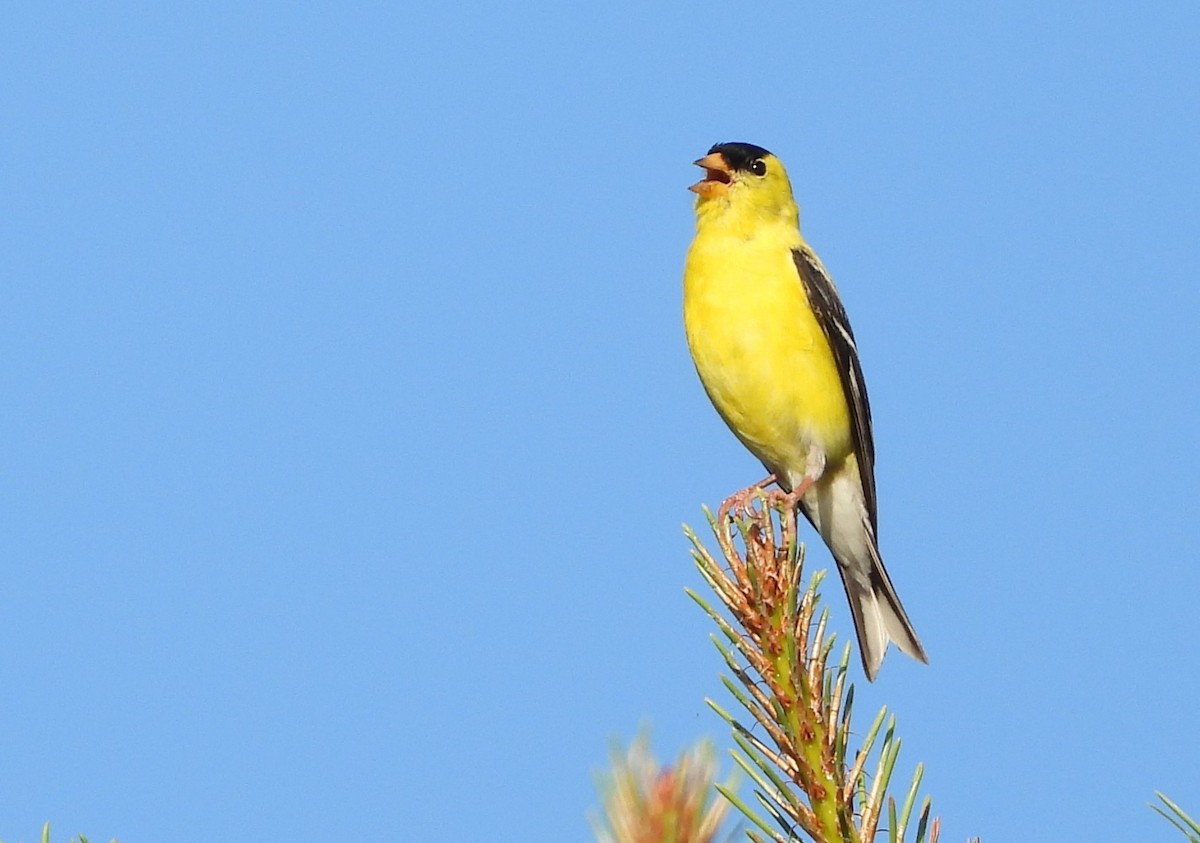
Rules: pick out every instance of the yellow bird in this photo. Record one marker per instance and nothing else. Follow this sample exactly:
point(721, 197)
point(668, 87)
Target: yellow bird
point(776, 355)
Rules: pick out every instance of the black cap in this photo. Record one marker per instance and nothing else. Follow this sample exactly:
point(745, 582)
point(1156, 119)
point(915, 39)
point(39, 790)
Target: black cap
point(739, 156)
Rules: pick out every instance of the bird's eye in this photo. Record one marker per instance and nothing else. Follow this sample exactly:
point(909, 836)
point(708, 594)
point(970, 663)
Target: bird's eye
point(758, 167)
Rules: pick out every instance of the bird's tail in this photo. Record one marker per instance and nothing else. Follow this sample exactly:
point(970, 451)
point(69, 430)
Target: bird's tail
point(879, 617)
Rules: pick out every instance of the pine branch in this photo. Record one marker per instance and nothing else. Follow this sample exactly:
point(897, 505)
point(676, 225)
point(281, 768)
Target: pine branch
point(645, 803)
point(45, 838)
point(796, 748)
point(1177, 817)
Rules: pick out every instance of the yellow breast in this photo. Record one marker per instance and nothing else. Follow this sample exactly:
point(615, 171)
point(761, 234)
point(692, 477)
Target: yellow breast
point(760, 352)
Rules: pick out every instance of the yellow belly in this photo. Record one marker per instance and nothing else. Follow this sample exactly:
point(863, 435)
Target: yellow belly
point(760, 353)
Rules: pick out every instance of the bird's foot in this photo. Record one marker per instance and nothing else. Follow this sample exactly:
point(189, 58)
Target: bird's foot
point(740, 502)
point(791, 500)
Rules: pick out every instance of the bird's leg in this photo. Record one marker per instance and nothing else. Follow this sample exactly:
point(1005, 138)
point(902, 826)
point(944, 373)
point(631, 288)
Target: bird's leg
point(741, 500)
point(814, 468)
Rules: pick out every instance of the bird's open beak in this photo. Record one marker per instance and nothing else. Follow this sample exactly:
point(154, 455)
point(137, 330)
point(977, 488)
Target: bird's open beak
point(717, 176)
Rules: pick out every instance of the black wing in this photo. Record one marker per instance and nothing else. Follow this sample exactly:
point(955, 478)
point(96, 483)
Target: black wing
point(831, 315)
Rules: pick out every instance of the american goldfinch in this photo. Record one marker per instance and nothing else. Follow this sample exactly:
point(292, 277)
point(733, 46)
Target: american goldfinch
point(774, 350)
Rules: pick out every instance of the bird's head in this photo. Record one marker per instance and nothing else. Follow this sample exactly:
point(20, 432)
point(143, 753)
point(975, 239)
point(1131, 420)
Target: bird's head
point(745, 179)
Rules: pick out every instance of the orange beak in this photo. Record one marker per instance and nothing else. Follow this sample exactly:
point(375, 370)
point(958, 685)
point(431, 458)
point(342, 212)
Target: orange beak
point(717, 177)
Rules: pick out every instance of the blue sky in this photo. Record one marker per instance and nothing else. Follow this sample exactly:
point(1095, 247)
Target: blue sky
point(349, 424)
